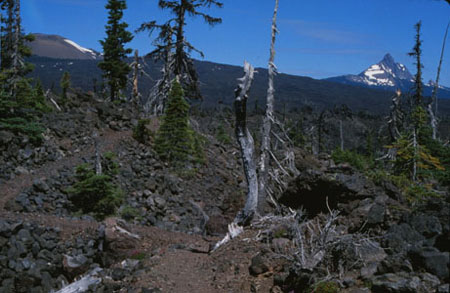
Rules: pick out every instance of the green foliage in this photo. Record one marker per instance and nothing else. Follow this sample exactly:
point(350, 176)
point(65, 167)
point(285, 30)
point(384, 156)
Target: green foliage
point(115, 69)
point(356, 160)
point(21, 114)
point(96, 193)
point(325, 287)
point(221, 135)
point(416, 193)
point(280, 233)
point(65, 85)
point(407, 155)
point(129, 213)
point(295, 132)
point(141, 133)
point(176, 141)
point(138, 255)
point(172, 48)
point(109, 164)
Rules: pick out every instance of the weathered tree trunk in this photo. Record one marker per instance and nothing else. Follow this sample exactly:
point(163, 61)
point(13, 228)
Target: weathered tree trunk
point(341, 132)
point(180, 40)
point(135, 77)
point(434, 121)
point(16, 48)
point(268, 120)
point(395, 116)
point(416, 153)
point(98, 157)
point(246, 146)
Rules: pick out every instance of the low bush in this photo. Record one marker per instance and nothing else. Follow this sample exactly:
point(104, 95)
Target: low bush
point(95, 194)
point(141, 133)
point(356, 160)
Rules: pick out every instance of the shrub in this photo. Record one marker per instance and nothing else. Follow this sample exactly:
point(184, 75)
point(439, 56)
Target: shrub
point(95, 193)
point(110, 166)
point(222, 135)
point(354, 159)
point(325, 287)
point(141, 133)
point(129, 213)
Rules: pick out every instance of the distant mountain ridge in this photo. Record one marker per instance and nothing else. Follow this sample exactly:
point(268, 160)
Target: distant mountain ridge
point(388, 75)
point(54, 46)
point(217, 81)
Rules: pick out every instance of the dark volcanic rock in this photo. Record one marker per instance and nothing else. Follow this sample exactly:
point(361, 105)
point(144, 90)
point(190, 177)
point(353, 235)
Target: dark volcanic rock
point(311, 188)
point(432, 260)
point(392, 283)
point(258, 265)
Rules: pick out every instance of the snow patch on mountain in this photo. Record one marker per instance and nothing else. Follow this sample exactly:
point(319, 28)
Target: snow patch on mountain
point(82, 49)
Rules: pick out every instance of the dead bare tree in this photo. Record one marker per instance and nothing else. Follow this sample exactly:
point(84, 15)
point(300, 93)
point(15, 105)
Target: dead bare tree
point(256, 180)
point(246, 145)
point(433, 116)
point(395, 116)
point(268, 119)
point(135, 66)
point(16, 57)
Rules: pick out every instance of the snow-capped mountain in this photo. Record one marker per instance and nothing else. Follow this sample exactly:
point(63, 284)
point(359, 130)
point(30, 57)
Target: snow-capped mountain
point(55, 46)
point(388, 75)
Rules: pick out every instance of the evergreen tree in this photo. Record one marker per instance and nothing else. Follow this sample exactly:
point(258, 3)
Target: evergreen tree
point(171, 45)
point(20, 104)
point(175, 139)
point(413, 156)
point(417, 54)
point(13, 48)
point(65, 85)
point(115, 69)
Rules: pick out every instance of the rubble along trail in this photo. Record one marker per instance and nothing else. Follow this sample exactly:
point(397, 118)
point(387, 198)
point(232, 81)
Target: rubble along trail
point(175, 267)
point(108, 141)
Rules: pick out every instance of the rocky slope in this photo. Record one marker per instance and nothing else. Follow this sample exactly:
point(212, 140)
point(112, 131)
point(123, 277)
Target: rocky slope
point(344, 231)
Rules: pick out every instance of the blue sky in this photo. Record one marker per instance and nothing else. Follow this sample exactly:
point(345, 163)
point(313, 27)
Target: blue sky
point(318, 38)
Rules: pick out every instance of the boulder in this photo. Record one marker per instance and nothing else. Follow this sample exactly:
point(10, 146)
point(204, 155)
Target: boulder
point(432, 260)
point(311, 188)
point(394, 283)
point(258, 265)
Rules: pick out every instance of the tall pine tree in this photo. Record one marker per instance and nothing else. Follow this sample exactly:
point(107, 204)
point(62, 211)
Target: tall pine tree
point(114, 67)
point(171, 45)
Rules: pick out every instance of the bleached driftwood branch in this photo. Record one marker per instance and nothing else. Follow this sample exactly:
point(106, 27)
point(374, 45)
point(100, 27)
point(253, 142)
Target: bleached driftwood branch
point(47, 95)
point(82, 285)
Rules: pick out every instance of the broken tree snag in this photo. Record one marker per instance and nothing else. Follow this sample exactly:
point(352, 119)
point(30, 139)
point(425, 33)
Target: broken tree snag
point(434, 99)
point(396, 116)
point(246, 145)
point(267, 121)
point(433, 121)
point(135, 77)
point(98, 157)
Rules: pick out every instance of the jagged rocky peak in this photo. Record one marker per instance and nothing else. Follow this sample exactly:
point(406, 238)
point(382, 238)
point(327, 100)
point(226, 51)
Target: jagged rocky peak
point(386, 73)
